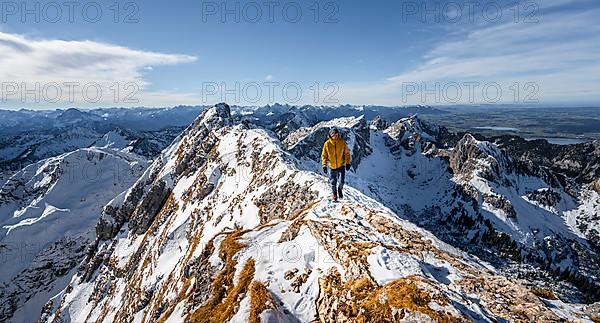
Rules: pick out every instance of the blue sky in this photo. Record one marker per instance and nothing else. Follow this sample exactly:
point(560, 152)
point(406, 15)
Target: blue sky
point(358, 52)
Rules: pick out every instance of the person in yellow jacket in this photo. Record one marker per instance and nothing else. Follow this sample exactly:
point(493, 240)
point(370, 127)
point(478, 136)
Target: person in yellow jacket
point(337, 155)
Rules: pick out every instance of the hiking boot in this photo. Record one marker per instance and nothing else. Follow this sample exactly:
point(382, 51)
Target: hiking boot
point(334, 197)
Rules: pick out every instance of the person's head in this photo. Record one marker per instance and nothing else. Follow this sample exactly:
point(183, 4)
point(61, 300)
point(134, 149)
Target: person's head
point(334, 133)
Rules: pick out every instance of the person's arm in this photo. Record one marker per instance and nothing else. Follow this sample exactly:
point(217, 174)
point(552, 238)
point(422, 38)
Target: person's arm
point(324, 156)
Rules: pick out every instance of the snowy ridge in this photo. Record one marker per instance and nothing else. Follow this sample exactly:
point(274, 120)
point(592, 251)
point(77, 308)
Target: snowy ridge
point(341, 123)
point(228, 226)
point(412, 125)
point(116, 139)
point(30, 136)
point(48, 212)
point(477, 197)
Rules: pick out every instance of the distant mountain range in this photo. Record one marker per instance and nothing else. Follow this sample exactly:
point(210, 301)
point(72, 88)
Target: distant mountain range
point(27, 136)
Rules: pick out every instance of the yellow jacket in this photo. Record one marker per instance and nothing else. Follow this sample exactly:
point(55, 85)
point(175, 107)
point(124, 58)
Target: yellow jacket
point(336, 153)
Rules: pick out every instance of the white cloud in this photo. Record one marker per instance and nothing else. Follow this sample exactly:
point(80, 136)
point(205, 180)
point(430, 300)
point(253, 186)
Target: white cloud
point(53, 61)
point(560, 53)
point(269, 77)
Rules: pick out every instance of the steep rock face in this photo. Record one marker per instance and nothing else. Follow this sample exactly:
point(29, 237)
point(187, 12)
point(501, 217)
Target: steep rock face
point(219, 250)
point(47, 274)
point(586, 217)
point(580, 161)
point(411, 136)
point(142, 201)
point(472, 157)
point(413, 126)
point(530, 199)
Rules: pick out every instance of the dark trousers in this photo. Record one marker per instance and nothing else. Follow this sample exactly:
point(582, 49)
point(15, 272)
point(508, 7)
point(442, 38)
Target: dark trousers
point(334, 174)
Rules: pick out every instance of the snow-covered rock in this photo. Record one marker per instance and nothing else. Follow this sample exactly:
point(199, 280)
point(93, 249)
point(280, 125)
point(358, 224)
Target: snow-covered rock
point(48, 212)
point(227, 225)
point(476, 197)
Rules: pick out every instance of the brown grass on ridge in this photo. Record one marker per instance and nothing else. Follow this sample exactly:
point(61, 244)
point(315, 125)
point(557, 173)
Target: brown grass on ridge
point(260, 301)
point(364, 301)
point(544, 293)
point(226, 295)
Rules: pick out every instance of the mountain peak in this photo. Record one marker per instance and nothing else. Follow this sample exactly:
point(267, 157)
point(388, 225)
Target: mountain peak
point(412, 128)
point(216, 117)
point(223, 109)
point(379, 123)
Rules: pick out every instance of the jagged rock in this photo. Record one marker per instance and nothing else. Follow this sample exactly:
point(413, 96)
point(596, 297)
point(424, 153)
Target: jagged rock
point(291, 195)
point(379, 123)
point(149, 207)
point(470, 156)
point(51, 264)
point(412, 135)
point(593, 310)
point(106, 228)
point(290, 274)
point(501, 203)
point(300, 280)
point(580, 162)
point(547, 197)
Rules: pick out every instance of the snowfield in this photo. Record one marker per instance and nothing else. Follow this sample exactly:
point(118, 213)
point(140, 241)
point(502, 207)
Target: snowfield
point(55, 204)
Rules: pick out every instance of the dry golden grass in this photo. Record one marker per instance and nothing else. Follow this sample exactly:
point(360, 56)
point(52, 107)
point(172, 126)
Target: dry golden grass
point(302, 212)
point(365, 301)
point(520, 315)
point(544, 293)
point(260, 301)
point(225, 301)
point(358, 250)
point(595, 319)
point(226, 295)
point(298, 221)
